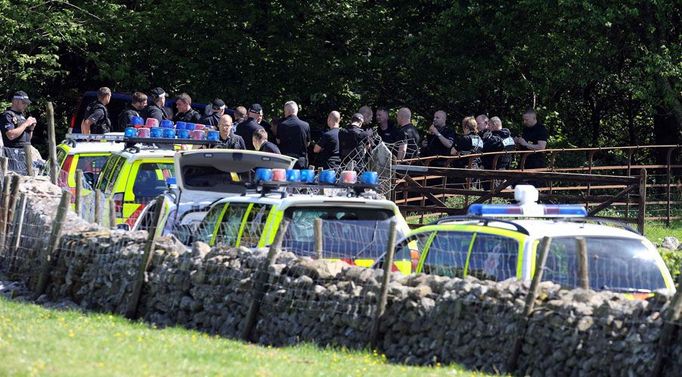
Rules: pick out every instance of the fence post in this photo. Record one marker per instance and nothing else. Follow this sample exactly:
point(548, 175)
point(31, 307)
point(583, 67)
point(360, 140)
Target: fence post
point(112, 214)
point(13, 195)
point(4, 205)
point(131, 311)
point(28, 153)
point(18, 227)
point(670, 325)
point(318, 238)
point(530, 303)
point(4, 163)
point(52, 144)
point(98, 207)
point(46, 257)
point(79, 192)
point(641, 216)
point(260, 280)
point(583, 268)
point(386, 279)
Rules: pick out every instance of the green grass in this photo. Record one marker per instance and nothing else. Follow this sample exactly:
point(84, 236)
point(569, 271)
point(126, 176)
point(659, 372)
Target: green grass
point(38, 341)
point(655, 232)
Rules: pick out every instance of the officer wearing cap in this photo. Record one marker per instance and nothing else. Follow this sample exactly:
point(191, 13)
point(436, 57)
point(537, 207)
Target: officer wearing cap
point(354, 141)
point(156, 107)
point(125, 118)
point(247, 127)
point(16, 130)
point(96, 119)
point(217, 111)
point(293, 135)
point(185, 111)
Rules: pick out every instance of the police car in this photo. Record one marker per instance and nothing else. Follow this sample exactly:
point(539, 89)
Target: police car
point(256, 196)
point(500, 242)
point(134, 177)
point(88, 153)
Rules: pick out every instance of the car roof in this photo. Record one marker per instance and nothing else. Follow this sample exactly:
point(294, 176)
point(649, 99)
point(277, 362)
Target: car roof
point(146, 153)
point(308, 200)
point(95, 146)
point(538, 228)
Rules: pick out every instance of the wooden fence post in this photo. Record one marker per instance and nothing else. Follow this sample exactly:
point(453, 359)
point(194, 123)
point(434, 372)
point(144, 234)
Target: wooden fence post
point(112, 214)
point(18, 228)
point(318, 238)
point(98, 207)
point(28, 153)
point(13, 196)
point(4, 163)
point(79, 192)
point(671, 324)
point(641, 216)
point(583, 267)
point(530, 303)
point(386, 279)
point(52, 144)
point(260, 279)
point(131, 311)
point(46, 257)
point(4, 206)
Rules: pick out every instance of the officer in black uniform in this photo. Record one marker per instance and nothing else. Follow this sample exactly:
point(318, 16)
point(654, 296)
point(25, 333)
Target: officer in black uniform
point(328, 147)
point(439, 139)
point(533, 138)
point(17, 131)
point(467, 143)
point(96, 119)
point(217, 111)
point(497, 139)
point(125, 118)
point(248, 126)
point(185, 111)
point(408, 139)
point(261, 143)
point(156, 108)
point(354, 142)
point(228, 139)
point(293, 135)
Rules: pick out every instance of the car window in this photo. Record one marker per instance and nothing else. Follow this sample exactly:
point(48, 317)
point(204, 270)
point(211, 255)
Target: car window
point(255, 222)
point(348, 232)
point(447, 254)
point(493, 257)
point(91, 164)
point(228, 231)
point(408, 251)
point(613, 264)
point(150, 181)
point(108, 176)
point(205, 231)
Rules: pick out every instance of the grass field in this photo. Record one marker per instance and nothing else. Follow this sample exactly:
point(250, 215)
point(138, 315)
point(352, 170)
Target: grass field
point(35, 341)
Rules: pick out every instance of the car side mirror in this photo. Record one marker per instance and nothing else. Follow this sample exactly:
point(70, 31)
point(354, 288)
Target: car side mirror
point(89, 178)
point(123, 227)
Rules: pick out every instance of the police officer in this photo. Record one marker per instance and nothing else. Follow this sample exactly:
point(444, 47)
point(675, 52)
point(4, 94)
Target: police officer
point(248, 126)
point(439, 139)
point(125, 118)
point(185, 111)
point(328, 146)
point(261, 143)
point(408, 139)
point(468, 143)
point(497, 139)
point(228, 139)
point(533, 138)
point(17, 131)
point(353, 142)
point(293, 135)
point(156, 108)
point(217, 111)
point(96, 119)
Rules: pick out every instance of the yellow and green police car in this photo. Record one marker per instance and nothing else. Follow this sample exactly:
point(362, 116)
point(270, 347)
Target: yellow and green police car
point(134, 177)
point(354, 227)
point(88, 153)
point(499, 248)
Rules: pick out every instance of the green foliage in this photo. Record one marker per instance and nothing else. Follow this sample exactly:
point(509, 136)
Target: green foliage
point(38, 341)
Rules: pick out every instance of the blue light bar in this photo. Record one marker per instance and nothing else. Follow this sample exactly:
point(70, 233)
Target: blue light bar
point(533, 210)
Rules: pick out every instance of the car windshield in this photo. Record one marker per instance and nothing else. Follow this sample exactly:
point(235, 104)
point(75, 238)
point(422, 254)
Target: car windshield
point(349, 233)
point(617, 264)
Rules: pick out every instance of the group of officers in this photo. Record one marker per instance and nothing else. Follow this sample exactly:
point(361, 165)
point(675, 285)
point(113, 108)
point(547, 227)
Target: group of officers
point(246, 129)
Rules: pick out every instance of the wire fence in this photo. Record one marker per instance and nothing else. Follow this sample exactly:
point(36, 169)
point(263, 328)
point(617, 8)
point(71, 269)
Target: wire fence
point(310, 287)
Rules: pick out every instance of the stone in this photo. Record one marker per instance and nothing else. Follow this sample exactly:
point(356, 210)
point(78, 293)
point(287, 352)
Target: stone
point(670, 243)
point(200, 250)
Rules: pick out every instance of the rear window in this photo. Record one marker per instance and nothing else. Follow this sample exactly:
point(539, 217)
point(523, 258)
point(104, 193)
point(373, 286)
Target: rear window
point(150, 180)
point(91, 164)
point(353, 233)
point(625, 265)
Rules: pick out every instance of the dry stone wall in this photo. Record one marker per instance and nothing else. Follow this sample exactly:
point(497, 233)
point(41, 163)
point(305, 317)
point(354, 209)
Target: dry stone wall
point(428, 319)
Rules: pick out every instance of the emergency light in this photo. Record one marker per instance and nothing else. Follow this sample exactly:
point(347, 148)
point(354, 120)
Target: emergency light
point(369, 178)
point(151, 122)
point(137, 121)
point(213, 136)
point(328, 177)
point(307, 175)
point(349, 177)
point(156, 132)
point(130, 132)
point(527, 195)
point(181, 126)
point(293, 175)
point(166, 123)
